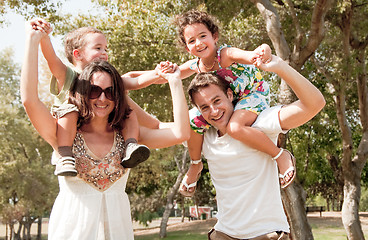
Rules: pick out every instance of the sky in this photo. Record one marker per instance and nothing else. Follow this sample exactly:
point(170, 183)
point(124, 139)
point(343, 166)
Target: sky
point(13, 35)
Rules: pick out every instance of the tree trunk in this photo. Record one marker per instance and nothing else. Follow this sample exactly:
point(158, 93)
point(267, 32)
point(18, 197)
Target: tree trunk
point(165, 216)
point(293, 199)
point(182, 209)
point(39, 228)
point(294, 196)
point(352, 167)
point(350, 210)
point(169, 205)
point(17, 234)
point(170, 196)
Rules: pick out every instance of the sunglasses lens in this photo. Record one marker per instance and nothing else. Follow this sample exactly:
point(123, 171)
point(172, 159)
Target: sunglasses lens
point(95, 92)
point(109, 94)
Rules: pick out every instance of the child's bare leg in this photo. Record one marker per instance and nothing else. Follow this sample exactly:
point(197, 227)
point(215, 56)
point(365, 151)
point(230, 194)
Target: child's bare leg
point(195, 152)
point(239, 128)
point(134, 153)
point(66, 131)
point(131, 128)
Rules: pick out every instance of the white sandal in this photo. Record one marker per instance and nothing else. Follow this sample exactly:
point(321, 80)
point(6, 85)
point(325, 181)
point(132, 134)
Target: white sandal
point(290, 169)
point(186, 193)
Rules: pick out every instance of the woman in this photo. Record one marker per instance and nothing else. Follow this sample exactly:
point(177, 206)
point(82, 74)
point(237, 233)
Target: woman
point(94, 205)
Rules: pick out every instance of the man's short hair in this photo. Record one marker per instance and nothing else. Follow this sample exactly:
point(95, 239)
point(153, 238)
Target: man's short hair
point(202, 80)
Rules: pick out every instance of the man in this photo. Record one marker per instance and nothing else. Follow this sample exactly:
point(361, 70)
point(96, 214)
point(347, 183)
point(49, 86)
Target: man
point(246, 180)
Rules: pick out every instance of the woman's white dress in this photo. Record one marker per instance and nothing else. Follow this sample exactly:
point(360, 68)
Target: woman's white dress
point(93, 205)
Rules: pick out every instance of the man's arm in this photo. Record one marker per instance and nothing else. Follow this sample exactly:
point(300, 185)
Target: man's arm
point(310, 99)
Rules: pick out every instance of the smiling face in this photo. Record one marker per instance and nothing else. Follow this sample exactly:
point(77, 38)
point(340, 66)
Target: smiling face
point(95, 49)
point(101, 106)
point(200, 42)
point(215, 105)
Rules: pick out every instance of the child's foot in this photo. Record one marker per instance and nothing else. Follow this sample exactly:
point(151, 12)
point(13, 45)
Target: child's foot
point(286, 165)
point(189, 183)
point(66, 167)
point(134, 155)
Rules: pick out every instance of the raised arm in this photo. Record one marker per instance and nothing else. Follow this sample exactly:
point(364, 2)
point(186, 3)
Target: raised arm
point(37, 112)
point(143, 80)
point(310, 99)
point(56, 66)
point(230, 55)
point(176, 132)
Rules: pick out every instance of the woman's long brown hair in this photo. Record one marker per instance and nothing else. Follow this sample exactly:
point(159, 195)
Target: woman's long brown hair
point(79, 95)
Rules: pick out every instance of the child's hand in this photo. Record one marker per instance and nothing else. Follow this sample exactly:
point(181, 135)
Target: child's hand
point(165, 67)
point(33, 31)
point(274, 65)
point(42, 25)
point(264, 55)
point(172, 75)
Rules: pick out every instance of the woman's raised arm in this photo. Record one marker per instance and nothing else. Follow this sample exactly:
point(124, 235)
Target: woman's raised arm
point(38, 113)
point(176, 132)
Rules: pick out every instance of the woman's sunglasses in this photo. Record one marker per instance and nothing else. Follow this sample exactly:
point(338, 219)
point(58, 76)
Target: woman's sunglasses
point(96, 92)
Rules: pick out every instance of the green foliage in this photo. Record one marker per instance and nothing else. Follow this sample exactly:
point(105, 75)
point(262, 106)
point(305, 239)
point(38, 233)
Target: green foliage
point(28, 187)
point(363, 206)
point(141, 34)
point(30, 8)
point(145, 217)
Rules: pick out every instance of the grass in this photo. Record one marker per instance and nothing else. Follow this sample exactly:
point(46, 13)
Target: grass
point(322, 228)
point(330, 233)
point(176, 235)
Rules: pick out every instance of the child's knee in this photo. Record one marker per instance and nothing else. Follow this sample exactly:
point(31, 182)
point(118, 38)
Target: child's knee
point(233, 128)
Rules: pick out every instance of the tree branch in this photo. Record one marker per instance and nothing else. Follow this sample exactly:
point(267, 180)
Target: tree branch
point(317, 31)
point(273, 27)
point(299, 31)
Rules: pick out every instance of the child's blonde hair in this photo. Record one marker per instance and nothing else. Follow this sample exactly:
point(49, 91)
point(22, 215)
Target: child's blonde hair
point(76, 40)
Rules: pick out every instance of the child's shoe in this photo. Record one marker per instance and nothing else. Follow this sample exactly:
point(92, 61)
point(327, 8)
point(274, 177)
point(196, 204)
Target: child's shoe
point(66, 163)
point(66, 167)
point(135, 154)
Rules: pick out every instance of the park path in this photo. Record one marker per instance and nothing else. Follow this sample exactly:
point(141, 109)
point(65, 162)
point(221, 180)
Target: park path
point(175, 224)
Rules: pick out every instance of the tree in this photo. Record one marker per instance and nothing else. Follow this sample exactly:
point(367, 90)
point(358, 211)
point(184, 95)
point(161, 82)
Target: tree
point(181, 166)
point(304, 47)
point(32, 8)
point(27, 182)
point(345, 70)
point(328, 36)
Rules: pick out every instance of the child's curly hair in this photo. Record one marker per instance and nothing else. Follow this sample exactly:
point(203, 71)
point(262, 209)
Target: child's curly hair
point(192, 17)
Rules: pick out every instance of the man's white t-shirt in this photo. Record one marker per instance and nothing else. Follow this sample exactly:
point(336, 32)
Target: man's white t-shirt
point(246, 181)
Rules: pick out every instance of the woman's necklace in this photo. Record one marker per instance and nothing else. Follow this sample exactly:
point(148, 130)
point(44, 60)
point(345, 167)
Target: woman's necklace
point(209, 68)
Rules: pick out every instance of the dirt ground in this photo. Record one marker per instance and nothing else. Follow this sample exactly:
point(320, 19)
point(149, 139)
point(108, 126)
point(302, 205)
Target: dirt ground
point(328, 219)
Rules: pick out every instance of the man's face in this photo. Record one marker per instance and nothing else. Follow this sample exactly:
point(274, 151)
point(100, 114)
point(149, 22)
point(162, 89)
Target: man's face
point(216, 106)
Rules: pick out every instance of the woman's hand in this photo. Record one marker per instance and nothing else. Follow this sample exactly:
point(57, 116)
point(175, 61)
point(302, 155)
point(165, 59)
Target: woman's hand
point(174, 75)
